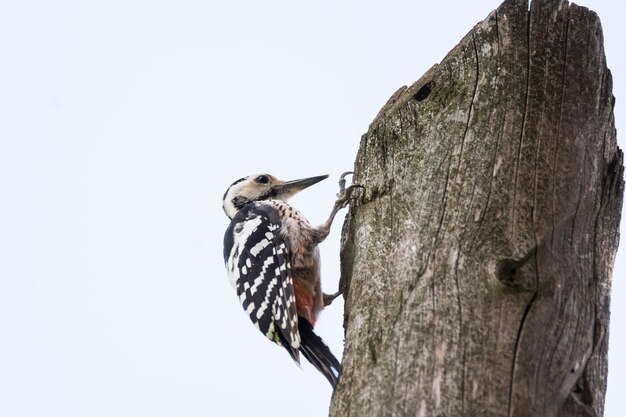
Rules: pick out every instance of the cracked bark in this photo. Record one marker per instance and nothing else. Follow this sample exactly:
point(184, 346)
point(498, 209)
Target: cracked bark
point(477, 263)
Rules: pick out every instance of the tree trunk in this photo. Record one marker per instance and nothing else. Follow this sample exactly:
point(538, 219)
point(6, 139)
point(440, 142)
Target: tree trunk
point(477, 262)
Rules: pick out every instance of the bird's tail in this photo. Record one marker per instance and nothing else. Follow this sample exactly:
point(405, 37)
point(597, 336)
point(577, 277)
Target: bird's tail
point(315, 351)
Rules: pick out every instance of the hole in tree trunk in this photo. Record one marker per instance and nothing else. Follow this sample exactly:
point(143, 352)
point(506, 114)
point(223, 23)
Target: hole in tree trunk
point(424, 92)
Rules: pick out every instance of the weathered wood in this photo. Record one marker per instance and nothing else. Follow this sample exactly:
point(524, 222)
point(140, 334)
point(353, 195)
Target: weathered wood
point(477, 264)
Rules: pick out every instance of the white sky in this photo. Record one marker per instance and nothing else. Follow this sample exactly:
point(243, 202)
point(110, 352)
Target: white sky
point(121, 125)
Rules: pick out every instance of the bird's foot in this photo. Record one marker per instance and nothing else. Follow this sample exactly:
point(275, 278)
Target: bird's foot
point(345, 194)
point(329, 298)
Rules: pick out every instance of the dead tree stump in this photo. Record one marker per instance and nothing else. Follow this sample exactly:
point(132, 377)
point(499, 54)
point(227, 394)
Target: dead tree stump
point(477, 264)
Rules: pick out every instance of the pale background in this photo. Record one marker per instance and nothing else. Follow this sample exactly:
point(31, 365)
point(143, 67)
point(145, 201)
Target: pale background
point(121, 125)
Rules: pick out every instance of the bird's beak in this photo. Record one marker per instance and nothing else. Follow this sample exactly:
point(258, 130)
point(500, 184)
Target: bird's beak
point(292, 187)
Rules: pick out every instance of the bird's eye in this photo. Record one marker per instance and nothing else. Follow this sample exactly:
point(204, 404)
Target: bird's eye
point(262, 179)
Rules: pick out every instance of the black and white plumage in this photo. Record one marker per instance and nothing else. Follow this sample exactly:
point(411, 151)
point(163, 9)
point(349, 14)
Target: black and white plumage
point(258, 266)
point(272, 259)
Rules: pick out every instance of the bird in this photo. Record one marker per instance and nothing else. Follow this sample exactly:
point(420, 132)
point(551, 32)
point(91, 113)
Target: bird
point(272, 260)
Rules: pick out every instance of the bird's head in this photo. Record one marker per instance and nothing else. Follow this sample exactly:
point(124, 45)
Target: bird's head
point(262, 187)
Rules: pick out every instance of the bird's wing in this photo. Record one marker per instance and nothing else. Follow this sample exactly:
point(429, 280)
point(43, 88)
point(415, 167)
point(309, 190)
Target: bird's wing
point(257, 259)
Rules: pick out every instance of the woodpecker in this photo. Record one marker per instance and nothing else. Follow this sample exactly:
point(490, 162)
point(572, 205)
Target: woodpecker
point(272, 258)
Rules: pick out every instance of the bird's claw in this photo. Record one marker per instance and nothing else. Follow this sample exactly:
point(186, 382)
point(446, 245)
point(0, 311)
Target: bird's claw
point(343, 191)
point(342, 182)
point(329, 298)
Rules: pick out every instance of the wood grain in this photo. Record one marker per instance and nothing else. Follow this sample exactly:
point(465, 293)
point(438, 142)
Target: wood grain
point(477, 264)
